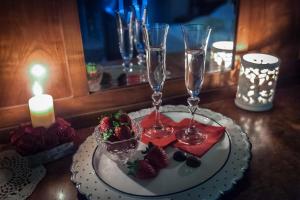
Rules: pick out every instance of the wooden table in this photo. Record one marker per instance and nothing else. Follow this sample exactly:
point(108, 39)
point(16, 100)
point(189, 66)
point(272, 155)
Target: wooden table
point(274, 171)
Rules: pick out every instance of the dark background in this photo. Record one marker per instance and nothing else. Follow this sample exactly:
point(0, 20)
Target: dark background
point(98, 25)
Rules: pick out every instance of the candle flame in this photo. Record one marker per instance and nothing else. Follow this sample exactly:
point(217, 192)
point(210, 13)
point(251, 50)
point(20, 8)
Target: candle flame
point(37, 89)
point(38, 71)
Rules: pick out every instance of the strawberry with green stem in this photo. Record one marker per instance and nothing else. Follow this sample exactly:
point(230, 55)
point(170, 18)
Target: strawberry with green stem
point(142, 169)
point(156, 156)
point(123, 118)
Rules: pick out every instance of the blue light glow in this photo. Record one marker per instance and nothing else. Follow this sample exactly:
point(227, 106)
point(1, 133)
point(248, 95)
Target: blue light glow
point(109, 6)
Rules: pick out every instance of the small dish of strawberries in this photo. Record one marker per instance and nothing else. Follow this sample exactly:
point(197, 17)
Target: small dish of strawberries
point(117, 136)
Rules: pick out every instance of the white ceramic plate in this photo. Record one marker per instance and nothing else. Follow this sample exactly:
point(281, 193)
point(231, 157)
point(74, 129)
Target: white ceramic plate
point(98, 177)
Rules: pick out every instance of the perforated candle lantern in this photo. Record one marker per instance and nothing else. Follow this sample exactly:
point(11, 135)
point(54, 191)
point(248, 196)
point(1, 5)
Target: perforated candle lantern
point(221, 56)
point(257, 82)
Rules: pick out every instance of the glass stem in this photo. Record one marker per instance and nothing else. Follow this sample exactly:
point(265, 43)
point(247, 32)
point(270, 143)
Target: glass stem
point(191, 123)
point(193, 105)
point(127, 65)
point(157, 116)
point(141, 59)
point(156, 97)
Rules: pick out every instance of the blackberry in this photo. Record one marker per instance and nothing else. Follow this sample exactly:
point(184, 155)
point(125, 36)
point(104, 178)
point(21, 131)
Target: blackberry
point(193, 162)
point(179, 156)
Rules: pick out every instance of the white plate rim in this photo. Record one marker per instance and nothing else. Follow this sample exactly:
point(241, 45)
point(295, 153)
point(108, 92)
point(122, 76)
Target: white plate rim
point(208, 189)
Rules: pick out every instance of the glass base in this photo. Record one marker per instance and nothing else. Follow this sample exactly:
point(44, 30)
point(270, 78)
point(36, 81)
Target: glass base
point(127, 67)
point(168, 74)
point(141, 60)
point(190, 136)
point(158, 132)
point(143, 74)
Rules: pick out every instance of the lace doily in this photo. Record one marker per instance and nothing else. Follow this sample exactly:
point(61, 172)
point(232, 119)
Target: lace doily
point(17, 179)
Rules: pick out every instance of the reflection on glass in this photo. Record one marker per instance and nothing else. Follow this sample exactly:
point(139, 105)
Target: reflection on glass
point(125, 36)
point(94, 76)
point(100, 38)
point(139, 21)
point(221, 56)
point(113, 77)
point(139, 44)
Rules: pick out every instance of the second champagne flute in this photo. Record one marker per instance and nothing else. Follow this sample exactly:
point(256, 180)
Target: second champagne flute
point(155, 36)
point(196, 38)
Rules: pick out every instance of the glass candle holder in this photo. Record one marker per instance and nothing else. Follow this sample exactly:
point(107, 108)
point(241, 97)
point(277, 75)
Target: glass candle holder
point(221, 56)
point(257, 82)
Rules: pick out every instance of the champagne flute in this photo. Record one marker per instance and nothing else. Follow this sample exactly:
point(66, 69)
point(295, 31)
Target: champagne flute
point(196, 38)
point(125, 36)
point(138, 35)
point(155, 36)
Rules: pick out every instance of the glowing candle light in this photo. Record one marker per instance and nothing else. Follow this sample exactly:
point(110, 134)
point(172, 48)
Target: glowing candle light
point(257, 81)
point(38, 71)
point(40, 105)
point(221, 55)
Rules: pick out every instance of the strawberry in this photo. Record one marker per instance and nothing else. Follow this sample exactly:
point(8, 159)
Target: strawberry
point(157, 156)
point(113, 138)
point(142, 169)
point(123, 132)
point(105, 124)
point(125, 119)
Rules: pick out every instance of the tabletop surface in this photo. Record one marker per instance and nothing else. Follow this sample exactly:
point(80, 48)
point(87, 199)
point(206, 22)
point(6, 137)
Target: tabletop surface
point(274, 171)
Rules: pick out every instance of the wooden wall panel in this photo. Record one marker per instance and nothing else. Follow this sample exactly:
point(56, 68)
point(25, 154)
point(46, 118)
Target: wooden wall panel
point(74, 48)
point(271, 26)
point(47, 32)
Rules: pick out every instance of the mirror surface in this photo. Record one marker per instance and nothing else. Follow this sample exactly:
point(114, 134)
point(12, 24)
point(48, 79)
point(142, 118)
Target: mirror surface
point(100, 38)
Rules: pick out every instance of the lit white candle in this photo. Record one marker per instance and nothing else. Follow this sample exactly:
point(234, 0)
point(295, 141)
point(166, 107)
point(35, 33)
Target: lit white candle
point(41, 108)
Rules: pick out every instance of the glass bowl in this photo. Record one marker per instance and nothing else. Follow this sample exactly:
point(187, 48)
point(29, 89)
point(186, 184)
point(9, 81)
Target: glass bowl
point(119, 151)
